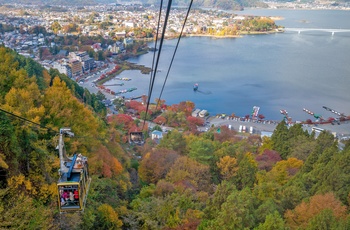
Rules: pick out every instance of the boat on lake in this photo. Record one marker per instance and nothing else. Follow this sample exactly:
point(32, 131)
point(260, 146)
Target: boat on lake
point(195, 87)
point(126, 90)
point(203, 113)
point(132, 89)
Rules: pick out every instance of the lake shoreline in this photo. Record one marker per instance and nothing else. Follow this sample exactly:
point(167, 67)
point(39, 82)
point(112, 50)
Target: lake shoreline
point(240, 35)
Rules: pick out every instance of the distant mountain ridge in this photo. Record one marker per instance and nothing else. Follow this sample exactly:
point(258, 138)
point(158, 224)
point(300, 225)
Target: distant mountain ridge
point(216, 4)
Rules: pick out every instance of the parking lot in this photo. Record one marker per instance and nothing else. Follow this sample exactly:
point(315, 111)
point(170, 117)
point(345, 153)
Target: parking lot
point(235, 123)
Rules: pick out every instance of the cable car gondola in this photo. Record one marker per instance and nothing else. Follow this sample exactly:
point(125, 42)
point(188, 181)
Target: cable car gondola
point(74, 182)
point(136, 138)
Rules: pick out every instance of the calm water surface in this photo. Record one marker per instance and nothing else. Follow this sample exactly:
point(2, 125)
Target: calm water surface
point(279, 71)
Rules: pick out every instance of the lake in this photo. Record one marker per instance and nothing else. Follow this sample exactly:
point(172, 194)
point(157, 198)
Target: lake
point(288, 70)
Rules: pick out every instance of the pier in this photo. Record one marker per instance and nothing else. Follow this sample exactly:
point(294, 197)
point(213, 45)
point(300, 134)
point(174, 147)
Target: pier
point(118, 84)
point(135, 98)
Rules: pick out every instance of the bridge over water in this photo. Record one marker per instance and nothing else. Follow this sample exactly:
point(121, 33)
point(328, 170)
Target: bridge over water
point(332, 31)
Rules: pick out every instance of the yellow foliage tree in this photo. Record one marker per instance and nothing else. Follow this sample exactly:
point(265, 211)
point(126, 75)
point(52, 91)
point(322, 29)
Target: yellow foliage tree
point(284, 170)
point(24, 99)
point(117, 167)
point(64, 110)
point(2, 162)
point(20, 184)
point(108, 218)
point(228, 167)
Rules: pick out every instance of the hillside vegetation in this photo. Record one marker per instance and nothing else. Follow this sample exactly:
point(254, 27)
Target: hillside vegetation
point(212, 180)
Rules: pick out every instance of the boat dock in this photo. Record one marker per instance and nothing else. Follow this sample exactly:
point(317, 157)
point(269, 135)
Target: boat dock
point(135, 98)
point(117, 84)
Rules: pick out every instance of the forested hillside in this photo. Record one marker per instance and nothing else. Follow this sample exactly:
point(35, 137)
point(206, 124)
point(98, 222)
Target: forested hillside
point(212, 180)
point(29, 160)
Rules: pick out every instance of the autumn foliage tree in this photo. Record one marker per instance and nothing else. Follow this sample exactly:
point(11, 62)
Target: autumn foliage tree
point(307, 210)
point(64, 110)
point(160, 120)
point(107, 218)
point(184, 106)
point(156, 164)
point(105, 164)
point(267, 159)
point(284, 170)
point(138, 106)
point(25, 100)
point(188, 173)
point(123, 122)
point(228, 167)
point(195, 120)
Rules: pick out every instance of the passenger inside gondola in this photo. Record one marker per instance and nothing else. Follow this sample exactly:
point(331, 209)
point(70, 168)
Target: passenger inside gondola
point(64, 197)
point(71, 196)
point(76, 195)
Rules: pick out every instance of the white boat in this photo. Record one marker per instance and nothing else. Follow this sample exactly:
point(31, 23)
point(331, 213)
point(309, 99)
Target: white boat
point(203, 113)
